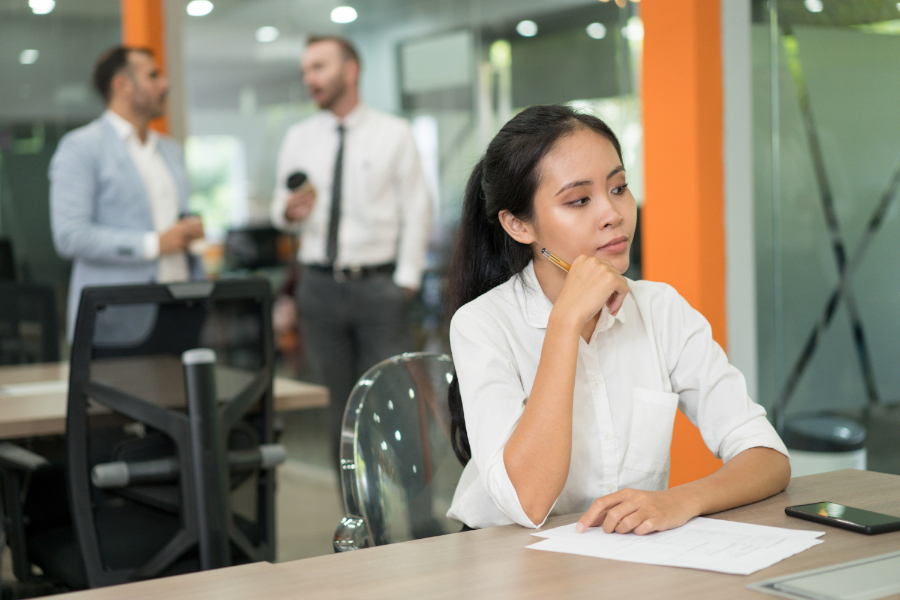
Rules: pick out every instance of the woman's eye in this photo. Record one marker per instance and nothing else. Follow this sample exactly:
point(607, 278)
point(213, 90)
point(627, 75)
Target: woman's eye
point(580, 201)
point(620, 190)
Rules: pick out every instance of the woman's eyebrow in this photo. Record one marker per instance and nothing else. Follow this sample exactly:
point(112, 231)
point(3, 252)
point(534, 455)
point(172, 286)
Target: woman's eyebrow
point(572, 184)
point(619, 169)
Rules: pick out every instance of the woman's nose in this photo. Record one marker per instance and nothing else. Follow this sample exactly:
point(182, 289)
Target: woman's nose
point(609, 216)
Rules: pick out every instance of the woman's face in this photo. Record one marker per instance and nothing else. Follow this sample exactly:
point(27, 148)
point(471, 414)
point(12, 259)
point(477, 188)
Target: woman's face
point(582, 204)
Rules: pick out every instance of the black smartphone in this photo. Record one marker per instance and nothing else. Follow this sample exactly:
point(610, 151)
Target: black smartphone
point(845, 517)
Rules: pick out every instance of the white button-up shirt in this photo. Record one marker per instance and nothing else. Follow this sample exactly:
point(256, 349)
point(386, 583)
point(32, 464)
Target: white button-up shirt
point(654, 357)
point(162, 194)
point(385, 207)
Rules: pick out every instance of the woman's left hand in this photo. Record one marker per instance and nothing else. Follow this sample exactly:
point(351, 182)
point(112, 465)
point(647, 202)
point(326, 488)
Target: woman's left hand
point(637, 511)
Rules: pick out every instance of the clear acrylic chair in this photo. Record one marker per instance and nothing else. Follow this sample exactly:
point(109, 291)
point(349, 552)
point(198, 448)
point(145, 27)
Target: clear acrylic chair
point(398, 469)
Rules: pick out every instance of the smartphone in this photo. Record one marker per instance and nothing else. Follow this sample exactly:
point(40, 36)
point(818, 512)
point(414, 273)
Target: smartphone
point(845, 517)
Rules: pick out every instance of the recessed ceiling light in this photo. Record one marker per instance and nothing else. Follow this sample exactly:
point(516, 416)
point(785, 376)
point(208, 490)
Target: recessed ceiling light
point(527, 28)
point(199, 8)
point(343, 14)
point(814, 6)
point(596, 31)
point(267, 34)
point(634, 31)
point(41, 7)
point(29, 57)
point(501, 54)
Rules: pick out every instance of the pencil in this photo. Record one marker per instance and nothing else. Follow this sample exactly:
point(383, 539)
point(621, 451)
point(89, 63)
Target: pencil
point(556, 260)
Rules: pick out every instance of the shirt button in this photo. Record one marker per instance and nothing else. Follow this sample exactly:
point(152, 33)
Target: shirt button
point(610, 488)
point(607, 436)
point(595, 385)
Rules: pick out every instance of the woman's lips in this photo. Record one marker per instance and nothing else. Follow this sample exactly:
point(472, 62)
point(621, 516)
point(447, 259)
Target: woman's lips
point(616, 246)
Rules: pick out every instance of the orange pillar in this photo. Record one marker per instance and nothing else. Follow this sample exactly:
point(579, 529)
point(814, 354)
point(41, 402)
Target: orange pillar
point(143, 25)
point(683, 217)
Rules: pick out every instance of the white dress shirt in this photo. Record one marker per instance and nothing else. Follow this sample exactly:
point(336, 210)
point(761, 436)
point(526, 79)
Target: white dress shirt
point(655, 356)
point(162, 194)
point(385, 207)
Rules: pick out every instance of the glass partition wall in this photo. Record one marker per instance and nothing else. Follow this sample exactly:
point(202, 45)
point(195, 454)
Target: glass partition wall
point(45, 91)
point(457, 70)
point(827, 180)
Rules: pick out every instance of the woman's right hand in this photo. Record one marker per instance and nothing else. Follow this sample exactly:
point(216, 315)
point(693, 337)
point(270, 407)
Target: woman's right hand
point(590, 285)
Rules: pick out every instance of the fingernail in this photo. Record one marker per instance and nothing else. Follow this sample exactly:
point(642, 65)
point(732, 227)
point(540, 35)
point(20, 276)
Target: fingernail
point(579, 527)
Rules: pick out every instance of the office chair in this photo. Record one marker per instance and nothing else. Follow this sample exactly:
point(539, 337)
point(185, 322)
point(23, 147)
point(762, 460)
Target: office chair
point(7, 261)
point(29, 330)
point(398, 469)
point(168, 437)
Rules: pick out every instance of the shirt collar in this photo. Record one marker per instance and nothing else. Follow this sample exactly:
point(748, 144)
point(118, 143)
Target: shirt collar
point(351, 120)
point(124, 129)
point(536, 306)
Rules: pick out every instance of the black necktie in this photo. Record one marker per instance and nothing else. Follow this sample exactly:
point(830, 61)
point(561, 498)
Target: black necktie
point(335, 219)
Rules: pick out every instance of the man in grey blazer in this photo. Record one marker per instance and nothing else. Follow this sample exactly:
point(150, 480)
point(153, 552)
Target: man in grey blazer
point(118, 190)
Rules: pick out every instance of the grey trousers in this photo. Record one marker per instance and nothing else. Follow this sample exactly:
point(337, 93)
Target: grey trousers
point(350, 326)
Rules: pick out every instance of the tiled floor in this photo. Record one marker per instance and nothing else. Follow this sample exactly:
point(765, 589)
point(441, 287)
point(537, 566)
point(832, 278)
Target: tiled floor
point(309, 504)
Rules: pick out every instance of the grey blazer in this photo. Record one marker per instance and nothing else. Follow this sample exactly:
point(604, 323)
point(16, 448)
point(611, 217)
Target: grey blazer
point(100, 211)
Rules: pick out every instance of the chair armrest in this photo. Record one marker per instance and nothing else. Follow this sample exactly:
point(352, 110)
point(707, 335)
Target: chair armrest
point(16, 465)
point(350, 534)
point(17, 457)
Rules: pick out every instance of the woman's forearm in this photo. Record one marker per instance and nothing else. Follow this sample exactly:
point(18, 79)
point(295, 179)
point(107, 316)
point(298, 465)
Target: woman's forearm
point(752, 475)
point(538, 452)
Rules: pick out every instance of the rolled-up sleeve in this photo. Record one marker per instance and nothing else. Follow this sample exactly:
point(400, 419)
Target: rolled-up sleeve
point(712, 392)
point(281, 193)
point(493, 398)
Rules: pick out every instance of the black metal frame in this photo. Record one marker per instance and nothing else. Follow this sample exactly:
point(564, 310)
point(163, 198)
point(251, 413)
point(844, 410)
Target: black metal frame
point(201, 488)
point(49, 319)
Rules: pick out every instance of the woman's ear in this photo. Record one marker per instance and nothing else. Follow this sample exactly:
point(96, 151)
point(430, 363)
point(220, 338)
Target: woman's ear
point(517, 229)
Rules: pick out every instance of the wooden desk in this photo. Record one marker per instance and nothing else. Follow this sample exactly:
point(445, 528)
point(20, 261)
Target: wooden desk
point(495, 563)
point(37, 405)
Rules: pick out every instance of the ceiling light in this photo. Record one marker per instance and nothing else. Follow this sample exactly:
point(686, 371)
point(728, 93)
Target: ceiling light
point(501, 54)
point(527, 28)
point(267, 34)
point(898, 6)
point(343, 14)
point(29, 57)
point(199, 8)
point(596, 31)
point(814, 6)
point(634, 31)
point(41, 7)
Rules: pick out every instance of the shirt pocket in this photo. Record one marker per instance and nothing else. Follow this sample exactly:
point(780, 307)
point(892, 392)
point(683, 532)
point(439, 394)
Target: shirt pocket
point(652, 420)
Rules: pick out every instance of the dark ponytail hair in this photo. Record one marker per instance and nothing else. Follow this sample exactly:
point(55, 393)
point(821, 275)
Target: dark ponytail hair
point(506, 178)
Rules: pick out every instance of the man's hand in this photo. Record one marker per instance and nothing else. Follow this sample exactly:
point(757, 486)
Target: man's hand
point(637, 511)
point(180, 235)
point(300, 204)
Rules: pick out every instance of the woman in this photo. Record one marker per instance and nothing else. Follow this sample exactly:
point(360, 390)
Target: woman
point(568, 382)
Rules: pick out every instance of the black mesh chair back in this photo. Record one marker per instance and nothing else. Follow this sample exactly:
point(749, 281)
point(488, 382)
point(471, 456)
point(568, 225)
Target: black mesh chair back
point(7, 261)
point(169, 433)
point(29, 330)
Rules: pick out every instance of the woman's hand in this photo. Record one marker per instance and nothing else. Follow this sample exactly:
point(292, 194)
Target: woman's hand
point(591, 284)
point(638, 511)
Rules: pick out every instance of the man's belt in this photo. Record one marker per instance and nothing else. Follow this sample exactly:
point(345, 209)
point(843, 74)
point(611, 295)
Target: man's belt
point(354, 273)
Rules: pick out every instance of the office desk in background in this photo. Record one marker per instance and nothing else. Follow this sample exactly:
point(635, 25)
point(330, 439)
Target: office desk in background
point(37, 404)
point(496, 563)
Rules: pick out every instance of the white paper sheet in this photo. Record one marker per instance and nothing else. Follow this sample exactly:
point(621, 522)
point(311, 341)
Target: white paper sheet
point(708, 544)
